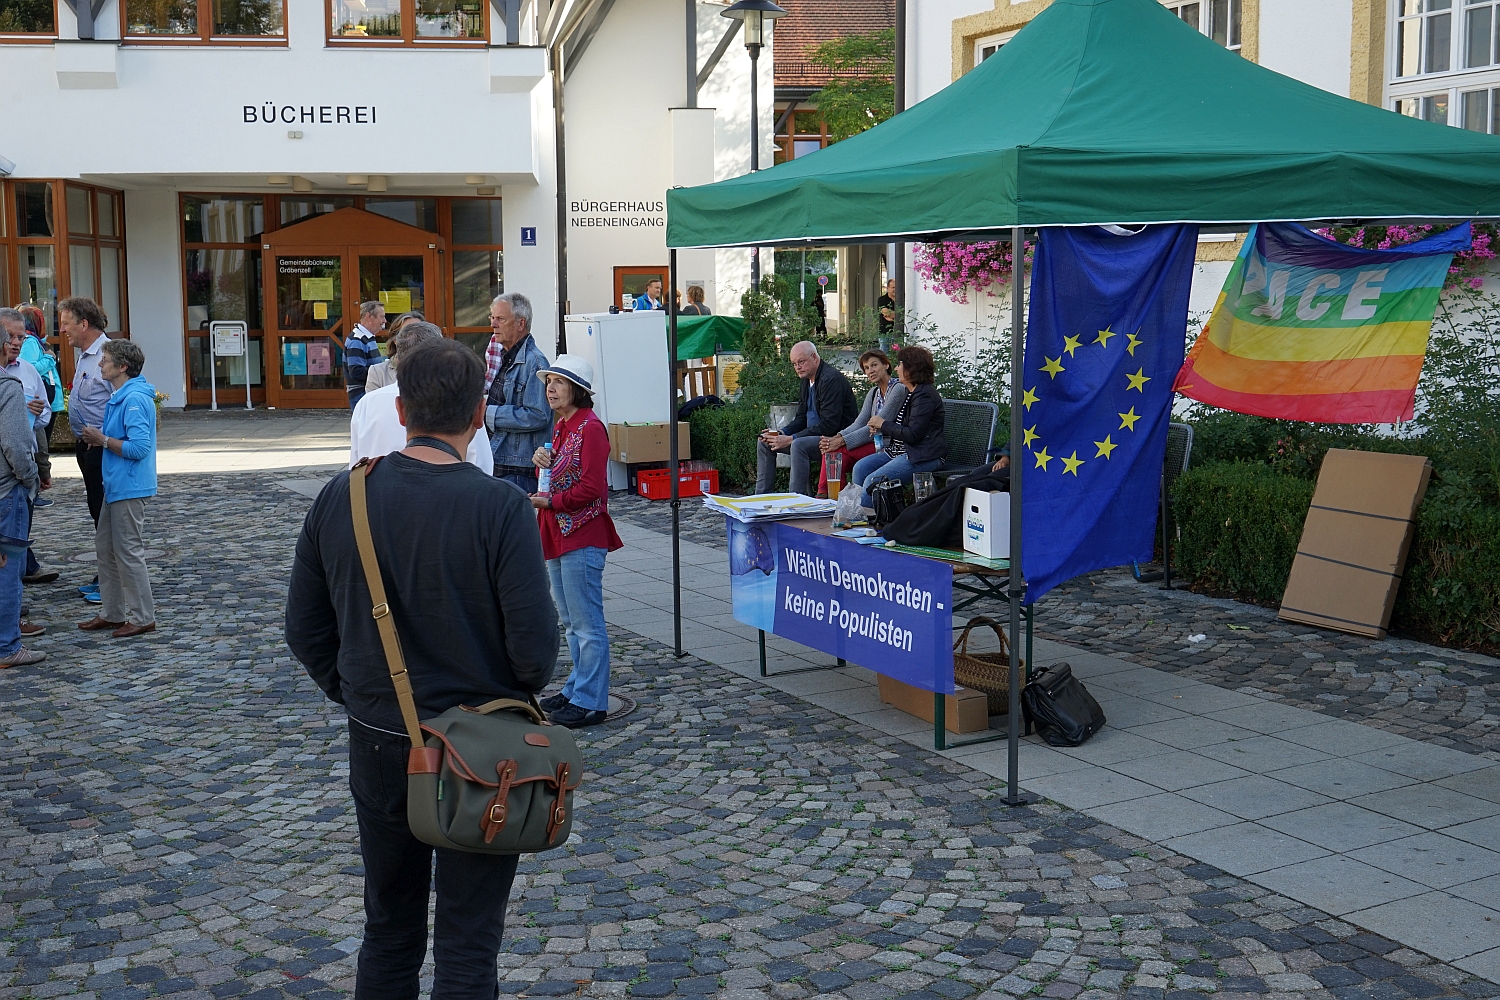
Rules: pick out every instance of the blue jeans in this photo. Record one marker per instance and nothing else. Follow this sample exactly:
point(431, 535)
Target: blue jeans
point(472, 889)
point(526, 484)
point(873, 468)
point(578, 592)
point(355, 395)
point(15, 522)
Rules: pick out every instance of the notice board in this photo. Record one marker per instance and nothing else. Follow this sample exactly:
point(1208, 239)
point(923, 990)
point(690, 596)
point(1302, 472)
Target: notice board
point(1355, 541)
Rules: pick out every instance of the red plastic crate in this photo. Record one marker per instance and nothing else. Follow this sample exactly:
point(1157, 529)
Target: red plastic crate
point(656, 484)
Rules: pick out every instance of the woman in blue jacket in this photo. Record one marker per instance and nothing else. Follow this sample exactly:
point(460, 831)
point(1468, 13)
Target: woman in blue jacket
point(128, 437)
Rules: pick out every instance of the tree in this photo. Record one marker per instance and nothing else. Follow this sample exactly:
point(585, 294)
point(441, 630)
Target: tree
point(862, 92)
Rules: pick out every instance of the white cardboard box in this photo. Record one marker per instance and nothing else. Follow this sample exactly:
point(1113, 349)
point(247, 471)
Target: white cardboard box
point(987, 523)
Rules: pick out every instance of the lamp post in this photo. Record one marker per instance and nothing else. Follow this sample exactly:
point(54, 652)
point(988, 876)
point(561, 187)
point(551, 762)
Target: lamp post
point(755, 14)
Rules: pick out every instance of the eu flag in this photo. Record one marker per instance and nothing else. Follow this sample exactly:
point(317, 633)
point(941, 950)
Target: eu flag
point(1108, 321)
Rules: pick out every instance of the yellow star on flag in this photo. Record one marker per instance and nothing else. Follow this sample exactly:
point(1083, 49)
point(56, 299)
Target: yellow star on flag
point(1103, 339)
point(1042, 458)
point(1138, 381)
point(1127, 420)
point(1071, 463)
point(1106, 446)
point(1028, 397)
point(1029, 436)
point(1133, 344)
point(1071, 344)
point(1053, 365)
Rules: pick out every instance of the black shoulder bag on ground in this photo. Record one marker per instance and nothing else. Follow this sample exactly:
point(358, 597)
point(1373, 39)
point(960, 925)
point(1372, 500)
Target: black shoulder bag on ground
point(1060, 707)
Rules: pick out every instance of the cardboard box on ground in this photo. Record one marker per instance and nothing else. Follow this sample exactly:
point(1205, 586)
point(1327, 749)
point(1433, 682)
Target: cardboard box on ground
point(1355, 541)
point(632, 444)
point(965, 711)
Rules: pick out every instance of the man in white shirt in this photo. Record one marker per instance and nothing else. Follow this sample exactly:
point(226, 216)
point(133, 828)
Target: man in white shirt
point(376, 430)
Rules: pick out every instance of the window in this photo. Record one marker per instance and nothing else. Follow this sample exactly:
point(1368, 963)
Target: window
point(803, 132)
point(221, 263)
point(1424, 37)
point(989, 45)
point(1480, 110)
point(205, 20)
point(1218, 19)
point(1480, 27)
point(405, 22)
point(22, 18)
point(418, 212)
point(59, 239)
point(478, 261)
point(1430, 107)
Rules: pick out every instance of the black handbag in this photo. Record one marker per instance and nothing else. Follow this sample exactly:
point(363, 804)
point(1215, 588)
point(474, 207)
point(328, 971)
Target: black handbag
point(1060, 707)
point(888, 498)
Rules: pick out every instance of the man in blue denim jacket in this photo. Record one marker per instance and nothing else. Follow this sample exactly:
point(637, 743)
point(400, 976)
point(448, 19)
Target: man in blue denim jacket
point(516, 412)
point(18, 485)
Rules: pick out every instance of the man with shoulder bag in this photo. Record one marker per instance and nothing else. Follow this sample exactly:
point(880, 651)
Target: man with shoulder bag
point(399, 619)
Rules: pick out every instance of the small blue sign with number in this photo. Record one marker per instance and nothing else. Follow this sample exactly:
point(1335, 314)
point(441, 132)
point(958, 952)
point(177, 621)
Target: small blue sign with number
point(528, 236)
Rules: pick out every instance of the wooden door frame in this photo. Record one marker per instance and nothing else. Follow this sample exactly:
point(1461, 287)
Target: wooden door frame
point(622, 270)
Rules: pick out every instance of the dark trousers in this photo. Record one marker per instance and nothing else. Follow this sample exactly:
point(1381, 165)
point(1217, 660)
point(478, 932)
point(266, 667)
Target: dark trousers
point(472, 889)
point(91, 464)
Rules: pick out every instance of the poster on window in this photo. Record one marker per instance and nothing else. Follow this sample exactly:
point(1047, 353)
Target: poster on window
point(294, 359)
point(319, 359)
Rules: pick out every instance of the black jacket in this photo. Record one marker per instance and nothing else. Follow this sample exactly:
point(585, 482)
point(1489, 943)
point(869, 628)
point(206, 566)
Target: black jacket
point(836, 406)
point(921, 425)
point(461, 559)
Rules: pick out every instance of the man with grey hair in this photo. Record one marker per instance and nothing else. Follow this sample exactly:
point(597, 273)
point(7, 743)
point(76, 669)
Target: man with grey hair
point(826, 406)
point(376, 430)
point(516, 412)
point(361, 349)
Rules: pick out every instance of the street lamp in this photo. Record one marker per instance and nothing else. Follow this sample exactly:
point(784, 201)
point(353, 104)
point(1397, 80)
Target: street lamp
point(755, 14)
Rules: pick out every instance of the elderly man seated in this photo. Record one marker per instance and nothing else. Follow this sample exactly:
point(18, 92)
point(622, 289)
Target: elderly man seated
point(826, 406)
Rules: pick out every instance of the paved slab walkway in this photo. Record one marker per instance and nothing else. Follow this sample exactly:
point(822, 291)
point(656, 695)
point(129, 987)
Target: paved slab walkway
point(1386, 832)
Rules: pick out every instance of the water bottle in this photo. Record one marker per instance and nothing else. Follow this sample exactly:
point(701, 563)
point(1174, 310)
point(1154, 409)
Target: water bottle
point(544, 480)
point(879, 441)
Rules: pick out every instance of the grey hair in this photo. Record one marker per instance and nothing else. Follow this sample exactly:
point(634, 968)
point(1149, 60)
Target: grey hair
point(9, 315)
point(128, 354)
point(366, 308)
point(519, 304)
point(412, 333)
point(807, 347)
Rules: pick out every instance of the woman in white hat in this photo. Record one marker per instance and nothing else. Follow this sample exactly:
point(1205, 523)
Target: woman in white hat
point(577, 533)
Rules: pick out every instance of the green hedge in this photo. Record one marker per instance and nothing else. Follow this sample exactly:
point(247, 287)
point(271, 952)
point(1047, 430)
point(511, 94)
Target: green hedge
point(1239, 525)
point(725, 436)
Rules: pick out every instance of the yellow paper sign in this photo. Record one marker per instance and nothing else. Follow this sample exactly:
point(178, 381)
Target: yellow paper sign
point(397, 300)
point(314, 289)
point(320, 309)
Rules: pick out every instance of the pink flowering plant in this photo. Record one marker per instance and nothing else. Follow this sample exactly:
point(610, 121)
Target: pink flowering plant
point(957, 268)
point(1468, 265)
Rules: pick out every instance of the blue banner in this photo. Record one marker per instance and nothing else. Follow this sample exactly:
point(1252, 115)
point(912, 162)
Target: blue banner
point(886, 611)
point(1108, 322)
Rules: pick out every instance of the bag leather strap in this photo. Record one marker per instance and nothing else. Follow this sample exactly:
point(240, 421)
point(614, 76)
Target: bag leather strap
point(359, 507)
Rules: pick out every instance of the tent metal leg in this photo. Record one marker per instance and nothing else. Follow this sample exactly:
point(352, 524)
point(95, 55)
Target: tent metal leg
point(669, 299)
point(1017, 585)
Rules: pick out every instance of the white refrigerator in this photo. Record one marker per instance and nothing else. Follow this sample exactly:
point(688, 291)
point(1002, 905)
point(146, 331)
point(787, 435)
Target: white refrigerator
point(631, 381)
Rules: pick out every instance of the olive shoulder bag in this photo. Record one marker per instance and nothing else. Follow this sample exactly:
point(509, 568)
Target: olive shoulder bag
point(497, 778)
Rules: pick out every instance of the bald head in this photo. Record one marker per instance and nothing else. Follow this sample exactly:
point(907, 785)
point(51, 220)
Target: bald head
point(804, 355)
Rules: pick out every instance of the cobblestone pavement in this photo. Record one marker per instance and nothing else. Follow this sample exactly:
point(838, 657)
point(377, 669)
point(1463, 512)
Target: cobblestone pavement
point(175, 821)
point(1445, 696)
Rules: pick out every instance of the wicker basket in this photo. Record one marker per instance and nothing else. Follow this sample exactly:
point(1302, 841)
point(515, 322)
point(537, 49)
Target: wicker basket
point(987, 672)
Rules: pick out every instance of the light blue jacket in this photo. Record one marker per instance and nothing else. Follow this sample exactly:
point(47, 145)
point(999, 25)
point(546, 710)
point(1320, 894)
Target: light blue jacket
point(524, 424)
point(46, 365)
point(130, 418)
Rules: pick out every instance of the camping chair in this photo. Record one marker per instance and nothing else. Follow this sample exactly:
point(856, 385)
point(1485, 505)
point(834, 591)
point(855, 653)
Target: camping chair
point(1179, 452)
point(970, 427)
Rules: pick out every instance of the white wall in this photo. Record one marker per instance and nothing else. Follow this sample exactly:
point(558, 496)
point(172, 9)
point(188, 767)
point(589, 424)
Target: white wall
point(153, 275)
point(1308, 41)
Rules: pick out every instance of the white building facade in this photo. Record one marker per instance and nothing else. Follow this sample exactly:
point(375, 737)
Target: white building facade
point(277, 162)
point(1436, 59)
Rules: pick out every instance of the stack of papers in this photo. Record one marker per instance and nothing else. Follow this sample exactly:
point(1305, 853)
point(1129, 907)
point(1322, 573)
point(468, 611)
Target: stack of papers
point(770, 506)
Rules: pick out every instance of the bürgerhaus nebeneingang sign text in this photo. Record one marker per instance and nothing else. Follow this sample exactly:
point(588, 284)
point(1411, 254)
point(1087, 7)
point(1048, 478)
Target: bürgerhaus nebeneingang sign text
point(619, 214)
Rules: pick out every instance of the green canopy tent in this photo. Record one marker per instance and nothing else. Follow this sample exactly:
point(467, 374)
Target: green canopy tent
point(1099, 112)
point(705, 336)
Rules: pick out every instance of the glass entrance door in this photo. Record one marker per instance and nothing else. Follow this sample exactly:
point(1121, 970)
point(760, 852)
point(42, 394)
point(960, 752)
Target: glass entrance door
point(309, 326)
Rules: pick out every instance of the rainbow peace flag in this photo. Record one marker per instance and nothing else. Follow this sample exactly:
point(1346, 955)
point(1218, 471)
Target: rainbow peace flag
point(1309, 329)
